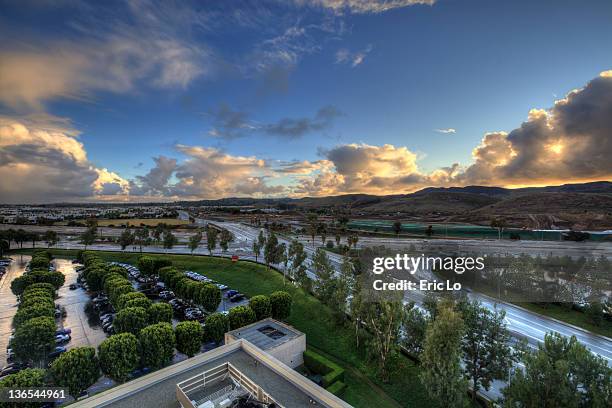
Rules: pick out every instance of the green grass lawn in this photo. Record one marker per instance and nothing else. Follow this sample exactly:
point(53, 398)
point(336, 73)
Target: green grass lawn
point(310, 316)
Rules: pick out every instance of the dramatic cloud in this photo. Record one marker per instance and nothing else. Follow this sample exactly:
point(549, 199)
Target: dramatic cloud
point(141, 46)
point(344, 56)
point(447, 130)
point(230, 124)
point(41, 163)
point(206, 173)
point(570, 141)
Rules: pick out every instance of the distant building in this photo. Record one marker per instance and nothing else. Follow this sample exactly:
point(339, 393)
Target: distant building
point(249, 367)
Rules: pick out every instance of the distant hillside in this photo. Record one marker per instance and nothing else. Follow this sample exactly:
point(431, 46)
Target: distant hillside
point(585, 205)
point(602, 187)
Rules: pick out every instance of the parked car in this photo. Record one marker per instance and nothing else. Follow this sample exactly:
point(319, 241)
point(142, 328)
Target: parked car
point(58, 350)
point(62, 338)
point(237, 298)
point(231, 293)
point(63, 331)
point(166, 294)
point(73, 286)
point(221, 286)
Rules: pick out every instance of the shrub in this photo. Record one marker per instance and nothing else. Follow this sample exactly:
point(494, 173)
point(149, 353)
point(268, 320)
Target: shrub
point(123, 299)
point(281, 305)
point(189, 337)
point(241, 316)
point(337, 388)
point(156, 345)
point(34, 339)
point(159, 263)
point(29, 377)
point(262, 306)
point(208, 296)
point(146, 265)
point(130, 320)
point(25, 314)
point(330, 371)
point(159, 313)
point(77, 369)
point(215, 327)
point(119, 356)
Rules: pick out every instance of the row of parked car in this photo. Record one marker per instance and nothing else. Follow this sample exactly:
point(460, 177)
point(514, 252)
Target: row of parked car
point(201, 278)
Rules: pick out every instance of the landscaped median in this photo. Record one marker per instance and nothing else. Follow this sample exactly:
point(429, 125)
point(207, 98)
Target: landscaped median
point(309, 315)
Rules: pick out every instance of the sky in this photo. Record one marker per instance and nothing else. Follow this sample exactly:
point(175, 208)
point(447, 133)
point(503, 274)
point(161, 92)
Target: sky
point(159, 101)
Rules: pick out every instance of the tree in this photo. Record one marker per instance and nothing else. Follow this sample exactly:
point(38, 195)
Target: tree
point(142, 237)
point(256, 249)
point(194, 241)
point(88, 237)
point(215, 327)
point(34, 339)
point(397, 227)
point(352, 240)
point(130, 320)
point(486, 350)
point(384, 318)
point(561, 373)
point(500, 223)
point(313, 224)
point(77, 370)
point(208, 296)
point(324, 271)
point(341, 287)
point(261, 239)
point(146, 265)
point(27, 378)
point(189, 336)
point(241, 316)
point(415, 325)
point(225, 238)
point(281, 305)
point(169, 240)
point(441, 360)
point(126, 238)
point(51, 238)
point(156, 345)
point(272, 250)
point(297, 256)
point(118, 356)
point(262, 306)
point(211, 239)
point(322, 229)
point(159, 313)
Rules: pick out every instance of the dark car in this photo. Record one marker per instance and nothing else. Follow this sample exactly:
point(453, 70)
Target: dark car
point(63, 331)
point(73, 286)
point(58, 350)
point(231, 293)
point(237, 297)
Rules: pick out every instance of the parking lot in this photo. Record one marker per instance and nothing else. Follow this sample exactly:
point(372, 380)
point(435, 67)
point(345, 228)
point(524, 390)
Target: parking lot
point(84, 331)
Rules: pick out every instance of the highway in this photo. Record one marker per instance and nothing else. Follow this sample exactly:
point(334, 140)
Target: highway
point(521, 323)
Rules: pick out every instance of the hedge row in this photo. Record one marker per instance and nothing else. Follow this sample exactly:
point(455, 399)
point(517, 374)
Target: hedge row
point(330, 371)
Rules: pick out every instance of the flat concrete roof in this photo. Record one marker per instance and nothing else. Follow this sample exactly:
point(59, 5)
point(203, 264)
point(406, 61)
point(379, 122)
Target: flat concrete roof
point(266, 334)
point(158, 389)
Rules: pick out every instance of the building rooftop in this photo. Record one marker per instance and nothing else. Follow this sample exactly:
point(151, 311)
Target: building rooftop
point(266, 334)
point(166, 387)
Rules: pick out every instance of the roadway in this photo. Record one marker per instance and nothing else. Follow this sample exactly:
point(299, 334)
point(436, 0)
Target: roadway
point(521, 323)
